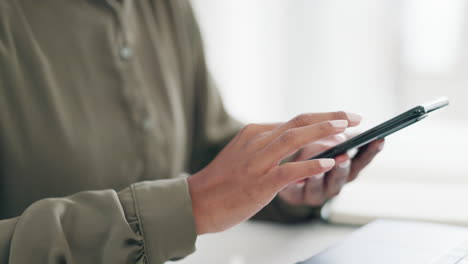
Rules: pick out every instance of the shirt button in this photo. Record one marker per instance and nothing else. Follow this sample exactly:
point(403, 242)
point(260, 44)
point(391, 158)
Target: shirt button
point(147, 123)
point(126, 52)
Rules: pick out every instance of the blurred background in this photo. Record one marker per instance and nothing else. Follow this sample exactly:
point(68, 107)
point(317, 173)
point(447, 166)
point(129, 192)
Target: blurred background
point(274, 59)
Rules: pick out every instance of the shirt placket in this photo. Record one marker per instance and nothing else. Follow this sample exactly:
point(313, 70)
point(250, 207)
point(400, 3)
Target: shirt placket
point(132, 88)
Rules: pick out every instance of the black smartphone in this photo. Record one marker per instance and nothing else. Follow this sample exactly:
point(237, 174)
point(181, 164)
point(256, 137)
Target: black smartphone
point(399, 122)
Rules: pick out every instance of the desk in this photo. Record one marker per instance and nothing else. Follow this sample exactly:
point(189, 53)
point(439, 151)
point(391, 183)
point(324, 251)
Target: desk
point(259, 242)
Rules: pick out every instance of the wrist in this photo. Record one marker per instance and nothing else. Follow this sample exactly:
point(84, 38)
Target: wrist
point(200, 214)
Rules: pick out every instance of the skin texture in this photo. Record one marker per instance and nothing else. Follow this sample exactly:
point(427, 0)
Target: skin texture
point(317, 189)
point(248, 173)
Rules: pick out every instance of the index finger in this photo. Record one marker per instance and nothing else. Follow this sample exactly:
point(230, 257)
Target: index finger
point(294, 139)
point(314, 118)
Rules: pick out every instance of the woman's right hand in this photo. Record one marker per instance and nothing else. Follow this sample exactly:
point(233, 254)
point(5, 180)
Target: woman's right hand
point(246, 175)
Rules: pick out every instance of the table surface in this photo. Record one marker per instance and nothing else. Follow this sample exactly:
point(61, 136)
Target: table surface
point(260, 242)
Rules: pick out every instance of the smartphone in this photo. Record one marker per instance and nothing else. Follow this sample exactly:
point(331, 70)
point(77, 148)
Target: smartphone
point(399, 122)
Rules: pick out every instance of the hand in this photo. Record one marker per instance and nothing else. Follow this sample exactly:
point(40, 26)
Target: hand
point(317, 189)
point(247, 174)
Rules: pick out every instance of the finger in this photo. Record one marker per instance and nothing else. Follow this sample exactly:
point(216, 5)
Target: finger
point(338, 176)
point(293, 194)
point(250, 129)
point(294, 139)
point(364, 157)
point(268, 126)
point(314, 118)
point(294, 171)
point(314, 191)
point(320, 146)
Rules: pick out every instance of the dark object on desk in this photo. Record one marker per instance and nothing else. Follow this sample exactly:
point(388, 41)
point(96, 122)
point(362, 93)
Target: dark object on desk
point(399, 122)
point(399, 242)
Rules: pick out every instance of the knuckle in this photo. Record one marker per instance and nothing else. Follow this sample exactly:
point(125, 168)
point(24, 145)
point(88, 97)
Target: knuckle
point(255, 166)
point(341, 115)
point(258, 141)
point(302, 120)
point(327, 127)
point(314, 169)
point(283, 174)
point(289, 137)
point(249, 129)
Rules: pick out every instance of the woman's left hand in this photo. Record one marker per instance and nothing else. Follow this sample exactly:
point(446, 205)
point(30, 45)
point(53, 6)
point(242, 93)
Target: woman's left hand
point(317, 189)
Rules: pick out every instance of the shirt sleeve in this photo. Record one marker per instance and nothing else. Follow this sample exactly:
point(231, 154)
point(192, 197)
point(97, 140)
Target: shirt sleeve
point(149, 222)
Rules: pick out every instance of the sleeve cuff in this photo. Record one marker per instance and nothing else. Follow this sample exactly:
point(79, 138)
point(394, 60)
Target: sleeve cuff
point(162, 211)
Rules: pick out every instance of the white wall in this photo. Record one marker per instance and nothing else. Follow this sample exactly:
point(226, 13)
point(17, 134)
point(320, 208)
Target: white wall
point(274, 59)
point(247, 52)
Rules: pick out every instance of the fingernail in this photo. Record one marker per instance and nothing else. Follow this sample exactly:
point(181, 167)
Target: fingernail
point(381, 145)
point(327, 163)
point(354, 118)
point(345, 164)
point(341, 137)
point(339, 123)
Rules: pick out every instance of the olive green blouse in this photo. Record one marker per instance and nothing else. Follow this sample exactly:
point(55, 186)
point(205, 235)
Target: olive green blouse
point(109, 105)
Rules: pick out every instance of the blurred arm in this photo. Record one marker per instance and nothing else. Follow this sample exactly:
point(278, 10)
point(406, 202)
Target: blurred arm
point(149, 222)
